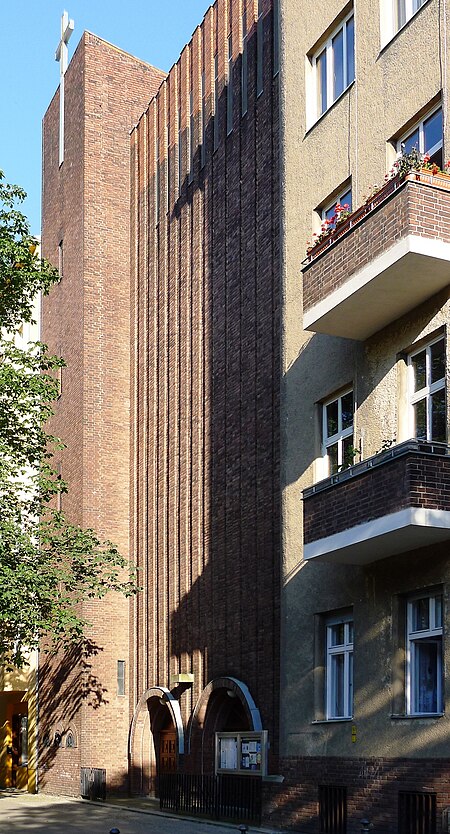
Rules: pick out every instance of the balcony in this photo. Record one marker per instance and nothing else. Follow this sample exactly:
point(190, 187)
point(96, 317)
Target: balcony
point(389, 256)
point(395, 501)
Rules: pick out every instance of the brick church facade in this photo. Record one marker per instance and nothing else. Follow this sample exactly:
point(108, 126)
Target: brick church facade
point(178, 462)
point(263, 435)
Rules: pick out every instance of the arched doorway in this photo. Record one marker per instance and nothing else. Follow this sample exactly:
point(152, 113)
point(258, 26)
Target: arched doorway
point(156, 740)
point(225, 705)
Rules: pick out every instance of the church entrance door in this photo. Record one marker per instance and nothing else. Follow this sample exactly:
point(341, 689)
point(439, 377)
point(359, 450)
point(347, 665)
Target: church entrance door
point(167, 751)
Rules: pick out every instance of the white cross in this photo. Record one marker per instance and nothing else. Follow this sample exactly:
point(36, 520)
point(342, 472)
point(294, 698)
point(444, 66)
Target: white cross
point(61, 55)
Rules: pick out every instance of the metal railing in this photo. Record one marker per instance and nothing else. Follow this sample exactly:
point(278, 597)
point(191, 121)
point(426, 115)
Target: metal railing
point(221, 797)
point(382, 457)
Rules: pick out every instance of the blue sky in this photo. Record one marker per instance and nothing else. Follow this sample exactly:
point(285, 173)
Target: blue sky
point(29, 34)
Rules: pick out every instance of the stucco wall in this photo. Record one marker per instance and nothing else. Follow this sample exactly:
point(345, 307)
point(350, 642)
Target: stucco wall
point(350, 139)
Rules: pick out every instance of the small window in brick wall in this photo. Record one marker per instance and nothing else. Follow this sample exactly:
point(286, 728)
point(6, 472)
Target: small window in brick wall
point(416, 812)
point(332, 809)
point(70, 739)
point(121, 677)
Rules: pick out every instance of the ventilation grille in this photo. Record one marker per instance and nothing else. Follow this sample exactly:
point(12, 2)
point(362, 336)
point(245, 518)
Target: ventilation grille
point(332, 809)
point(416, 813)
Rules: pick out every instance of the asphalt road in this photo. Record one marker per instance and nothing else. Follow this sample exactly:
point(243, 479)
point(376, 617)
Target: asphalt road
point(39, 814)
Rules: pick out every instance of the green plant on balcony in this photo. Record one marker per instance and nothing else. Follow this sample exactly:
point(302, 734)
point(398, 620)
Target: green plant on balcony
point(341, 213)
point(405, 164)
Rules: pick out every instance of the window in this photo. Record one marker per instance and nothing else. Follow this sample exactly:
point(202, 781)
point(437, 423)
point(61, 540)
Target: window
point(216, 101)
point(276, 37)
point(424, 655)
point(339, 668)
point(157, 180)
point(70, 739)
point(334, 65)
point(332, 809)
point(121, 677)
point(259, 50)
point(344, 198)
point(61, 259)
point(230, 86)
point(426, 137)
point(191, 138)
point(338, 433)
point(427, 392)
point(244, 65)
point(203, 145)
point(180, 160)
point(405, 9)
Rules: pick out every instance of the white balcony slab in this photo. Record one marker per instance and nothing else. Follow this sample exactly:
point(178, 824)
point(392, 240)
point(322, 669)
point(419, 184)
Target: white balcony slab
point(392, 284)
point(397, 532)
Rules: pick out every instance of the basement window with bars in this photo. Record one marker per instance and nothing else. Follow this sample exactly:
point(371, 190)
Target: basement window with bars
point(332, 809)
point(416, 812)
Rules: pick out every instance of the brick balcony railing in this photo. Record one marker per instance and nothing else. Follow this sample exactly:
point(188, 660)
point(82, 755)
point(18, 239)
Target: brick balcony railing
point(411, 475)
point(416, 207)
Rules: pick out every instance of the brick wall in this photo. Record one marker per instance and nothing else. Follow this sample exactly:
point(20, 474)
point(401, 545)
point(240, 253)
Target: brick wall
point(372, 790)
point(87, 319)
point(206, 358)
point(412, 480)
point(416, 208)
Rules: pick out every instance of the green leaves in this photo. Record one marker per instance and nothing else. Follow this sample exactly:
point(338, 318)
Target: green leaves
point(47, 565)
point(22, 273)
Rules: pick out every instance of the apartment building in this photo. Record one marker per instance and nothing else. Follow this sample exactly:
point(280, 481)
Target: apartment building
point(364, 420)
point(259, 421)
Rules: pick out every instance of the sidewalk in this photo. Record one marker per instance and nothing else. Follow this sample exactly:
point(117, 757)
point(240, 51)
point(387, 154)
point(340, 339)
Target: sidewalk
point(22, 813)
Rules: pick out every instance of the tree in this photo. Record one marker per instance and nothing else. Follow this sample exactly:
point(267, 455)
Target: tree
point(47, 565)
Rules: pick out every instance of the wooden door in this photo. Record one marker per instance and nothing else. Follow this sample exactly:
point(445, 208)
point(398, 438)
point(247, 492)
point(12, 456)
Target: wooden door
point(167, 751)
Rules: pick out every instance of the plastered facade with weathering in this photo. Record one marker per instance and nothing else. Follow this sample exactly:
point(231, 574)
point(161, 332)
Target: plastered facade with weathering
point(353, 142)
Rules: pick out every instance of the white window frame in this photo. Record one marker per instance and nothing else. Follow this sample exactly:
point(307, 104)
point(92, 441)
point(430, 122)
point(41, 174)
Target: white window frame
point(345, 650)
point(339, 436)
point(337, 199)
point(327, 47)
point(413, 638)
point(427, 391)
point(389, 18)
point(420, 126)
point(410, 6)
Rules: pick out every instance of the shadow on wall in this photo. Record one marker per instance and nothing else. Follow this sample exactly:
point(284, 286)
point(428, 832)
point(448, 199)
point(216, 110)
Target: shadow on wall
point(66, 682)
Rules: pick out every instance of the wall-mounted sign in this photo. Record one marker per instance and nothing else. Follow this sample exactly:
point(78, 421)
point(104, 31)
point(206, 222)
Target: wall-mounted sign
point(241, 752)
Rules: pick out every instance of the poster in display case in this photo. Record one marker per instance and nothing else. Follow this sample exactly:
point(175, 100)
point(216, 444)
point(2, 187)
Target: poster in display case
point(241, 752)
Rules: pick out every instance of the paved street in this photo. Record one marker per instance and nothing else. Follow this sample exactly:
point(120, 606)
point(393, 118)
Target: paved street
point(58, 815)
